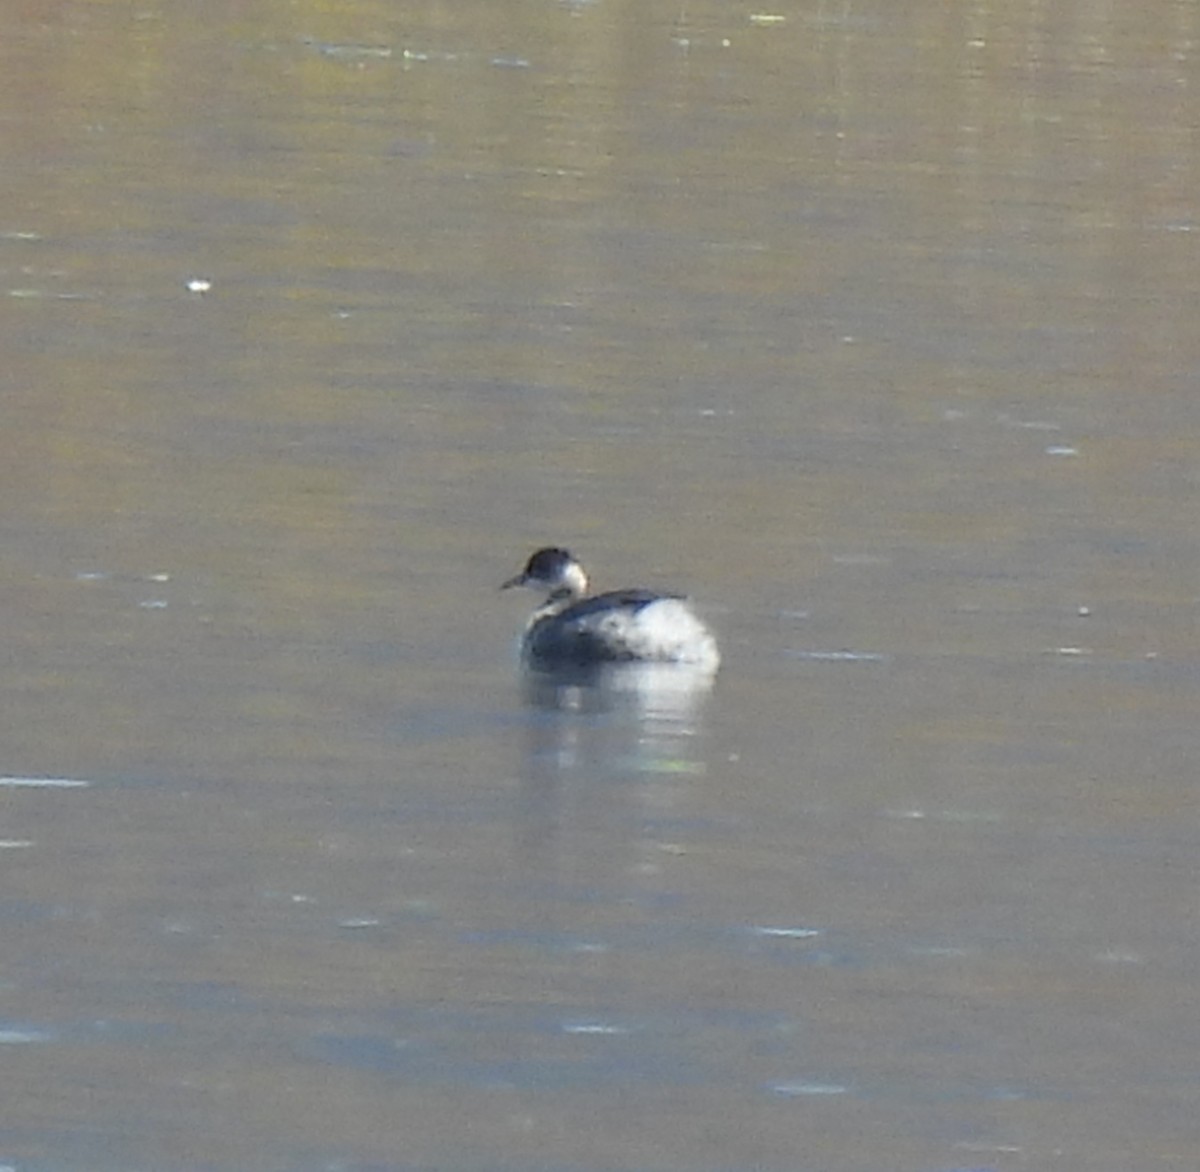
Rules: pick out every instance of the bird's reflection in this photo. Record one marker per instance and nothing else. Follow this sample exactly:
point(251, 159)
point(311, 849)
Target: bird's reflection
point(591, 726)
point(646, 693)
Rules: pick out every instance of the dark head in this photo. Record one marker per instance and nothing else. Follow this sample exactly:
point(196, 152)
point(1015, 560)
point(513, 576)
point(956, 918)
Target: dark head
point(552, 569)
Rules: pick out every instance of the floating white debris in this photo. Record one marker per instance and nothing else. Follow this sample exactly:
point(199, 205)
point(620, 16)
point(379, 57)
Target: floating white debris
point(841, 656)
point(767, 18)
point(22, 1037)
point(40, 294)
point(92, 576)
point(1061, 450)
point(198, 285)
point(161, 577)
point(1029, 424)
point(43, 783)
point(594, 1027)
point(360, 922)
point(785, 933)
point(1117, 957)
point(10, 844)
point(1083, 611)
point(956, 816)
point(381, 52)
point(1069, 652)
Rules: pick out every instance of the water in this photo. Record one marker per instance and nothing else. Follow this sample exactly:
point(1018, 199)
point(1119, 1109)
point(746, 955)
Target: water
point(872, 328)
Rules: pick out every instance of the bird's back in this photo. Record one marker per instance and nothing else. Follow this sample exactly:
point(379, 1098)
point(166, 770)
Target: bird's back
point(622, 626)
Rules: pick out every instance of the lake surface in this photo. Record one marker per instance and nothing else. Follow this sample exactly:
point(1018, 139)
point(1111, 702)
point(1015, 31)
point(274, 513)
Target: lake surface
point(872, 325)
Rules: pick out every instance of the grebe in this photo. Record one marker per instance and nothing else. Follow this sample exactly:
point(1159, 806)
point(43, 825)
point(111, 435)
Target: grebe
point(620, 626)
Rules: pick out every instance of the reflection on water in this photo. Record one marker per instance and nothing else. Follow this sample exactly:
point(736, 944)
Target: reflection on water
point(650, 691)
point(638, 725)
point(876, 318)
point(641, 717)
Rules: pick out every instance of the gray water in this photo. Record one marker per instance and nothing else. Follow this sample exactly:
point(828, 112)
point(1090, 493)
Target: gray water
point(873, 326)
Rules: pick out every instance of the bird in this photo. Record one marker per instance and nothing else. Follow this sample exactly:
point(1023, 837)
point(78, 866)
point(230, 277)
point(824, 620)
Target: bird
point(621, 626)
